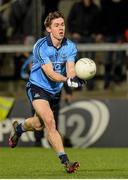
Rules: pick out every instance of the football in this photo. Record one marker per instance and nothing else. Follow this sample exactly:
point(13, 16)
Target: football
point(85, 68)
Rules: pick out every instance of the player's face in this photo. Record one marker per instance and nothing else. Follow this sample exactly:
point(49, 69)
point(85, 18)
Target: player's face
point(57, 28)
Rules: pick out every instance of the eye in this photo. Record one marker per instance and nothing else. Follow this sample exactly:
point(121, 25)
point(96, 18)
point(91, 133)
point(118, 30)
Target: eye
point(56, 25)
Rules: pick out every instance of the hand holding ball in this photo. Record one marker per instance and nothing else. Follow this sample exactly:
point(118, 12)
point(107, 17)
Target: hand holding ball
point(85, 68)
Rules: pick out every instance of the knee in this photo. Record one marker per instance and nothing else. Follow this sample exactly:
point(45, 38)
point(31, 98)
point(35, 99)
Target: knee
point(38, 126)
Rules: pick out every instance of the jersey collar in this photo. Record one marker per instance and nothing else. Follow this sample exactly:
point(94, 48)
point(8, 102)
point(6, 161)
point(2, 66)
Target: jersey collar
point(49, 41)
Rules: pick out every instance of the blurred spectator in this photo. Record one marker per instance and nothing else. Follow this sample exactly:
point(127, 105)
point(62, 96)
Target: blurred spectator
point(84, 22)
point(21, 20)
point(84, 25)
point(126, 55)
point(20, 58)
point(3, 38)
point(114, 14)
point(4, 23)
point(3, 31)
point(49, 6)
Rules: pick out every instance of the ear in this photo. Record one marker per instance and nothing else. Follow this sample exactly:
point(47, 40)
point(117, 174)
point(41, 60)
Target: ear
point(48, 29)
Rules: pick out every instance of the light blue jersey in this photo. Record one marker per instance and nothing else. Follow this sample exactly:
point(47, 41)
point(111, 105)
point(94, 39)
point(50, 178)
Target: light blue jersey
point(43, 53)
point(24, 73)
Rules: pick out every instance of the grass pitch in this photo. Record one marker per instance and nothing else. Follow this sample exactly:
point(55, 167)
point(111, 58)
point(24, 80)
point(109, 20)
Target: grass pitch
point(35, 163)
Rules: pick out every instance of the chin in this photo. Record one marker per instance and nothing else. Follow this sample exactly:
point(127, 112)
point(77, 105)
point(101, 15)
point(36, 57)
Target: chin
point(61, 37)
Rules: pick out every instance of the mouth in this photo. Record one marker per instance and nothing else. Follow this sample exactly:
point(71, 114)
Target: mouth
point(61, 33)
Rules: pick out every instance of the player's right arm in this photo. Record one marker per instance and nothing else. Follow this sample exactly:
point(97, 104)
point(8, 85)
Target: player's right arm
point(54, 76)
point(41, 54)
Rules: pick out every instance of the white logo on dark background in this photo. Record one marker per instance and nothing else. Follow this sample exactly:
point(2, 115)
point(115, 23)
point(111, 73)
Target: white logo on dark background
point(98, 123)
point(36, 95)
point(84, 122)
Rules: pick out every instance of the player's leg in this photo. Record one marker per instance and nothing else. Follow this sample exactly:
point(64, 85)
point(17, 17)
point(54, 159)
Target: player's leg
point(30, 124)
point(44, 111)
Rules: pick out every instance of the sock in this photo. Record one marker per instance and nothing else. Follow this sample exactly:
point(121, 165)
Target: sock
point(20, 129)
point(63, 157)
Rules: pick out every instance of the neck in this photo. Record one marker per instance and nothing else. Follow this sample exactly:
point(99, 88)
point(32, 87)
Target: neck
point(56, 42)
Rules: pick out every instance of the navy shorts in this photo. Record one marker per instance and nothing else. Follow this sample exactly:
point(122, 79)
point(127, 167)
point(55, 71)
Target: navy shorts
point(34, 92)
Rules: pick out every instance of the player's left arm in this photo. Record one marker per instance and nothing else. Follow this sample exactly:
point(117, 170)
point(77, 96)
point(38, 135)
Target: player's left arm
point(71, 58)
point(70, 69)
point(72, 79)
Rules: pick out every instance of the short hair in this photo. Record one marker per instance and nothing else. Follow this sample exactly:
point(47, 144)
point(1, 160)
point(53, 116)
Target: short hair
point(51, 16)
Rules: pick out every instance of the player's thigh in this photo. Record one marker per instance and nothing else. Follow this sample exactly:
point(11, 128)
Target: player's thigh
point(43, 110)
